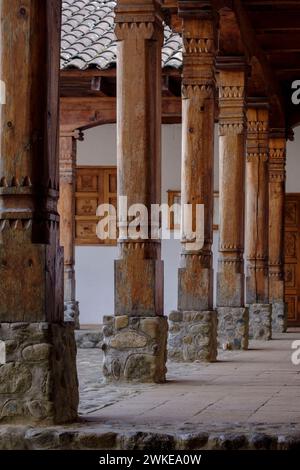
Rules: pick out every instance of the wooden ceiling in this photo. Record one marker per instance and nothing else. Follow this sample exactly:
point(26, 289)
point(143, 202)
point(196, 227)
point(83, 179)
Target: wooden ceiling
point(276, 25)
point(265, 32)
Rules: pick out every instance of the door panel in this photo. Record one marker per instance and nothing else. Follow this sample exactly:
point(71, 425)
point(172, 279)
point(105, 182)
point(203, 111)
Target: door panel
point(292, 258)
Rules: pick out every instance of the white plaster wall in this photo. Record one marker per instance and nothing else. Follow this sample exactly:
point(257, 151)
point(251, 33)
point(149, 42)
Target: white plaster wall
point(293, 164)
point(95, 265)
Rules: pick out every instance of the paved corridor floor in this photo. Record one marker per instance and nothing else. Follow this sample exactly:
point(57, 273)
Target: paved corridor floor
point(258, 386)
point(246, 400)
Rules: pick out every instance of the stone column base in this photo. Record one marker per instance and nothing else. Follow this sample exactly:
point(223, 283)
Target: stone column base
point(135, 348)
point(233, 328)
point(279, 317)
point(260, 321)
point(193, 336)
point(38, 378)
point(71, 313)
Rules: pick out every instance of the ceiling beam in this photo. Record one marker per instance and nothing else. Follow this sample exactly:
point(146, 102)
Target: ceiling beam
point(254, 50)
point(86, 112)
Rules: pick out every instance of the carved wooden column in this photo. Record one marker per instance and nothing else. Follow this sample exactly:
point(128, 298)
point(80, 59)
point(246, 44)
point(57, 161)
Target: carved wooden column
point(277, 145)
point(67, 181)
point(195, 317)
point(232, 315)
point(38, 380)
point(135, 340)
point(257, 215)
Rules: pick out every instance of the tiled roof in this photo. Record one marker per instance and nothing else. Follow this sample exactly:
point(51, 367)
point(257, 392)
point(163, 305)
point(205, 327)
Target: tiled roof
point(88, 38)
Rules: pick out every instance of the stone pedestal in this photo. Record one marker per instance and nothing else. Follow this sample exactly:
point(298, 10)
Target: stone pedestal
point(279, 317)
point(193, 336)
point(135, 348)
point(233, 327)
point(38, 381)
point(260, 321)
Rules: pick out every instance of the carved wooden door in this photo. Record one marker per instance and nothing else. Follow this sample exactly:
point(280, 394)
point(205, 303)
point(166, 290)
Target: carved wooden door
point(292, 258)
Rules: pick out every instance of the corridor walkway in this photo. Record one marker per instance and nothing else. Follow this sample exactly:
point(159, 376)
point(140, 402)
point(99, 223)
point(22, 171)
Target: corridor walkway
point(247, 400)
point(261, 385)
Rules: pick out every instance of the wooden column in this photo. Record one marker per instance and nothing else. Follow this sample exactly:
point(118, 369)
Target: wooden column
point(31, 263)
point(277, 145)
point(139, 269)
point(257, 211)
point(233, 321)
point(195, 276)
point(67, 181)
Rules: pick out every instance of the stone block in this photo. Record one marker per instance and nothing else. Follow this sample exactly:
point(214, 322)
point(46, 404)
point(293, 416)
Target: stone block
point(121, 322)
point(233, 328)
point(137, 352)
point(260, 321)
point(279, 317)
point(38, 382)
point(194, 337)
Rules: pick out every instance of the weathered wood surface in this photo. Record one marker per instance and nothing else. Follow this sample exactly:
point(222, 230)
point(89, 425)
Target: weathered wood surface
point(30, 259)
point(230, 288)
point(277, 145)
point(139, 271)
point(198, 115)
point(257, 208)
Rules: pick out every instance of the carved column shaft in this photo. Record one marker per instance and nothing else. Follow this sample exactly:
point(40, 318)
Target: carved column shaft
point(28, 163)
point(39, 377)
point(198, 114)
point(233, 317)
point(193, 328)
point(135, 339)
point(257, 290)
point(67, 170)
point(139, 272)
point(230, 292)
point(257, 280)
point(277, 159)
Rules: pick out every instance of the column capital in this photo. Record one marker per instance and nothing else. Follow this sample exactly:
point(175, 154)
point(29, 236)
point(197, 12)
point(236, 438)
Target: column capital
point(142, 17)
point(232, 88)
point(277, 158)
point(257, 132)
point(67, 156)
point(199, 49)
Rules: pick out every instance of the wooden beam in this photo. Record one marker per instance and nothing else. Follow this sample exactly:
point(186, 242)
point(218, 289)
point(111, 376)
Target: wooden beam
point(254, 50)
point(84, 113)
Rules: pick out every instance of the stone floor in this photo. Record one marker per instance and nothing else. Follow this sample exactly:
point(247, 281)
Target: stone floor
point(260, 385)
point(246, 400)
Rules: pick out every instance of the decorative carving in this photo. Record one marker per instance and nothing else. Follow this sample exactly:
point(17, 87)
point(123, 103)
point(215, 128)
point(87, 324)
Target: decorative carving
point(231, 92)
point(198, 46)
point(232, 122)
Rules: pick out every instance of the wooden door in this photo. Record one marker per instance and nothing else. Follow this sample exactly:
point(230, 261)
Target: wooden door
point(292, 258)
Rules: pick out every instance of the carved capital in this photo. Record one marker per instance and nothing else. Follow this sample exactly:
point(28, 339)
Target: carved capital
point(67, 155)
point(277, 159)
point(199, 48)
point(141, 18)
point(232, 118)
point(200, 92)
point(257, 134)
